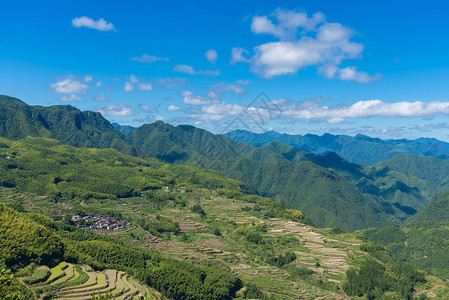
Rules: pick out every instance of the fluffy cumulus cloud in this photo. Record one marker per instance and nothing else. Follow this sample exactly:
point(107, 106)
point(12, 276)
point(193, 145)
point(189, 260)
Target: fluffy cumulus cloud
point(120, 110)
point(173, 108)
point(70, 98)
point(69, 85)
point(100, 24)
point(303, 42)
point(134, 83)
point(211, 56)
point(149, 59)
point(190, 70)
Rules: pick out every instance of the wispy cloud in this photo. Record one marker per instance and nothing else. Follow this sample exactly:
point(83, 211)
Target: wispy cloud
point(145, 107)
point(196, 100)
point(134, 83)
point(70, 98)
point(149, 59)
point(303, 42)
point(170, 83)
point(100, 24)
point(219, 88)
point(190, 70)
point(101, 98)
point(69, 85)
point(211, 56)
point(120, 110)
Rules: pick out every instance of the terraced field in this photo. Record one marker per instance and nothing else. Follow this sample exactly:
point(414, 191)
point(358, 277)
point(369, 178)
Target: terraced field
point(322, 253)
point(222, 238)
point(73, 282)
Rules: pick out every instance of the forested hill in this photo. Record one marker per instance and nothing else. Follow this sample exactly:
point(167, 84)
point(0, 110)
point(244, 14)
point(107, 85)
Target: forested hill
point(276, 171)
point(219, 241)
point(62, 122)
point(338, 193)
point(359, 149)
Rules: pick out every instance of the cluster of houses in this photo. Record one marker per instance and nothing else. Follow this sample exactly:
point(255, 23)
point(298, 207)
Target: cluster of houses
point(99, 222)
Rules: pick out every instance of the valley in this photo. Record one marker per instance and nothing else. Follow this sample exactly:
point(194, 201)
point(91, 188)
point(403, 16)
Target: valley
point(284, 223)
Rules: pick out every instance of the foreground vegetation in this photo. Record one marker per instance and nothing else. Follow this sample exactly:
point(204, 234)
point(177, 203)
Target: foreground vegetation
point(218, 241)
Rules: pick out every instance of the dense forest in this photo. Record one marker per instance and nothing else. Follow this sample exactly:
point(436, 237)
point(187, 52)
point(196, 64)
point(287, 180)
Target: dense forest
point(183, 189)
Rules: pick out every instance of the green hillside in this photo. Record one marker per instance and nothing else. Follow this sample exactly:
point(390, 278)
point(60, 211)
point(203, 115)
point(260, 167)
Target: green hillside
point(65, 123)
point(386, 193)
point(218, 240)
point(275, 171)
point(436, 211)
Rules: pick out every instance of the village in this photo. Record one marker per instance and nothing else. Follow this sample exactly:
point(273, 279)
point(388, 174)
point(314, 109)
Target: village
point(98, 222)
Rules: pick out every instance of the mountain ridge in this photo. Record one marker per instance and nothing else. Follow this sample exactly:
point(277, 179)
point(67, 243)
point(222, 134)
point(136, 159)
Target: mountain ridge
point(360, 149)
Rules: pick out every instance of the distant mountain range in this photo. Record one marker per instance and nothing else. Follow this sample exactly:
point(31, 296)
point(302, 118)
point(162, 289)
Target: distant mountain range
point(360, 149)
point(330, 190)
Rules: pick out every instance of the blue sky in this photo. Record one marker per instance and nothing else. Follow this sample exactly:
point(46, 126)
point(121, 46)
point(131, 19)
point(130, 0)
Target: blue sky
point(379, 68)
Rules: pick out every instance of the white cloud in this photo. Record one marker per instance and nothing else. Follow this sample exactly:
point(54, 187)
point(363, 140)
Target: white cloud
point(133, 79)
point(303, 42)
point(128, 87)
point(134, 83)
point(351, 74)
point(184, 69)
point(218, 112)
point(144, 86)
point(101, 24)
point(186, 93)
point(190, 70)
point(101, 98)
point(361, 109)
point(237, 55)
point(173, 108)
point(211, 56)
point(288, 23)
point(145, 107)
point(335, 120)
point(70, 98)
point(116, 110)
point(217, 89)
point(314, 110)
point(98, 84)
point(149, 59)
point(196, 100)
point(87, 78)
point(70, 85)
point(169, 83)
point(159, 118)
